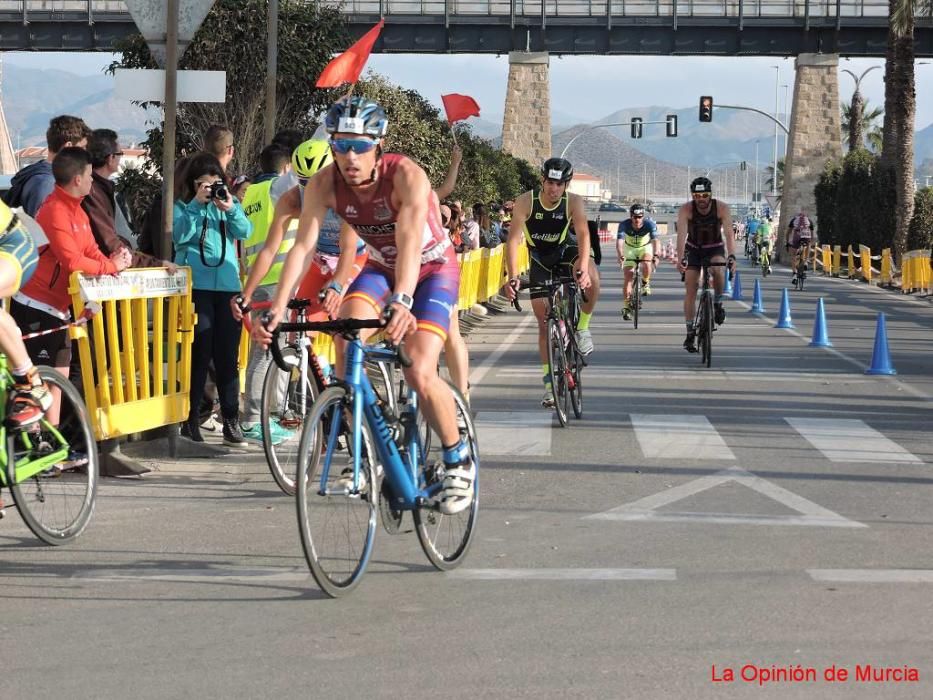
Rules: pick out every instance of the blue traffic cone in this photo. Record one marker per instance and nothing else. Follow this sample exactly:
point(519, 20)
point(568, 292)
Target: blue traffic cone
point(757, 306)
point(820, 336)
point(736, 286)
point(784, 314)
point(727, 287)
point(880, 358)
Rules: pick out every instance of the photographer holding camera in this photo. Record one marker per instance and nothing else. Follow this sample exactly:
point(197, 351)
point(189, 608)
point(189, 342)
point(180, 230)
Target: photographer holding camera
point(207, 223)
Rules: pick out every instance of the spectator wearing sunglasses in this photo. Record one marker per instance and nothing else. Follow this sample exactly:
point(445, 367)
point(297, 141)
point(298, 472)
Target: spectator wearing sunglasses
point(109, 222)
point(702, 226)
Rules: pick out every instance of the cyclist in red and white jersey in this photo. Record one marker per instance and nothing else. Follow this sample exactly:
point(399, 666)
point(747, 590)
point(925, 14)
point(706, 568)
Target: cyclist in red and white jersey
point(412, 270)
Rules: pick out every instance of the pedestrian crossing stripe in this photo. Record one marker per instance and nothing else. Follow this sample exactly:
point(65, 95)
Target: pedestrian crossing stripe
point(696, 437)
point(845, 440)
point(515, 433)
point(646, 509)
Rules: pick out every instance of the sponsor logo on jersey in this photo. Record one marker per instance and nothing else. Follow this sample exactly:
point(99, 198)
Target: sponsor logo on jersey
point(350, 210)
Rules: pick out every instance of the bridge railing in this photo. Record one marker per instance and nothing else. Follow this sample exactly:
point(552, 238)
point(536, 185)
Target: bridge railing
point(750, 9)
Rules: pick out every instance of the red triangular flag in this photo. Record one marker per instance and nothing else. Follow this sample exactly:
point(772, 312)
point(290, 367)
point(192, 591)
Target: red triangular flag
point(346, 67)
point(459, 107)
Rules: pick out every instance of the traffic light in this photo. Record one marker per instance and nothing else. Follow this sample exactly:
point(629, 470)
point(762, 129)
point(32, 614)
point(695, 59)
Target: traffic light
point(744, 165)
point(636, 127)
point(671, 125)
point(706, 108)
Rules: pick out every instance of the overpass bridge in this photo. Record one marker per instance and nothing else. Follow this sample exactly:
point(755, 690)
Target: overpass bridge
point(578, 27)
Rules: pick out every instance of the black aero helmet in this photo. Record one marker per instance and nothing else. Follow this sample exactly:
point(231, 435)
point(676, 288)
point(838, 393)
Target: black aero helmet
point(557, 169)
point(701, 184)
point(636, 210)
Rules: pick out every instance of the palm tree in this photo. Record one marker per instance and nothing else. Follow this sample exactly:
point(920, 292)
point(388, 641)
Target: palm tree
point(856, 108)
point(780, 178)
point(866, 123)
point(900, 105)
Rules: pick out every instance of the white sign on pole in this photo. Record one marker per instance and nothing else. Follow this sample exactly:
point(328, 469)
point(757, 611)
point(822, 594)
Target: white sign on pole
point(145, 85)
point(150, 19)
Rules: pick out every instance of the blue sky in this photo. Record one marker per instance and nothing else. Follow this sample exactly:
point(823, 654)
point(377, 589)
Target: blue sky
point(589, 87)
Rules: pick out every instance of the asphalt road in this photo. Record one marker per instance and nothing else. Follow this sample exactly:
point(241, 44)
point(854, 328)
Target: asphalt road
point(770, 513)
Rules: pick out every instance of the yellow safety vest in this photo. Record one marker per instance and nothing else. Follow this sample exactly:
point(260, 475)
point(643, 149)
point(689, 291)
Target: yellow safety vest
point(257, 204)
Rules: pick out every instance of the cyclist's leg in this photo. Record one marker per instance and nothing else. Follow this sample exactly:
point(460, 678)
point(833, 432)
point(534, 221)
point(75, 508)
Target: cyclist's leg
point(628, 273)
point(457, 356)
point(646, 273)
point(691, 282)
point(539, 274)
point(366, 298)
point(584, 337)
point(717, 255)
point(434, 296)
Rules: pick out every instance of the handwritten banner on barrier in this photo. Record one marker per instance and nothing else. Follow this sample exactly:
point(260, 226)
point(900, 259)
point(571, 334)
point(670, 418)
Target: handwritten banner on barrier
point(133, 284)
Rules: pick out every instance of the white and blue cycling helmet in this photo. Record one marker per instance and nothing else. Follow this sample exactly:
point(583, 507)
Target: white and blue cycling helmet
point(356, 115)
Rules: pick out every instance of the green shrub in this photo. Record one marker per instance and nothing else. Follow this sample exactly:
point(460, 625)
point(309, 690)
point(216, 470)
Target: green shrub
point(825, 192)
point(920, 234)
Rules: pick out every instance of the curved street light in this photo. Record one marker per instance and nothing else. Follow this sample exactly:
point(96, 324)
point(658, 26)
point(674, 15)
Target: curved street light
point(855, 108)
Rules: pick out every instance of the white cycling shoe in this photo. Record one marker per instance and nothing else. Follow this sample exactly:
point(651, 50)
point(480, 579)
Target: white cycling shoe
point(457, 492)
point(585, 341)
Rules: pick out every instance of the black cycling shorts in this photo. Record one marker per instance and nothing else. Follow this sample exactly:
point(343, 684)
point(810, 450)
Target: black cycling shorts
point(696, 256)
point(557, 262)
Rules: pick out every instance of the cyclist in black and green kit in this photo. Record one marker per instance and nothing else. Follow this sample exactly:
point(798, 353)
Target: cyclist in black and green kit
point(545, 218)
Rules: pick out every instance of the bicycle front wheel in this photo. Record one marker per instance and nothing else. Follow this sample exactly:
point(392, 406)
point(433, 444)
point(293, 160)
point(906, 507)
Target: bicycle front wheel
point(576, 393)
point(336, 523)
point(558, 363)
point(57, 502)
point(708, 330)
point(636, 296)
point(445, 539)
point(286, 402)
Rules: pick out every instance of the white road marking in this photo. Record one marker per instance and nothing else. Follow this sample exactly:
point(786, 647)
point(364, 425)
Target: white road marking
point(871, 575)
point(592, 374)
point(476, 376)
point(515, 432)
point(198, 575)
point(847, 440)
point(564, 574)
point(696, 437)
point(645, 509)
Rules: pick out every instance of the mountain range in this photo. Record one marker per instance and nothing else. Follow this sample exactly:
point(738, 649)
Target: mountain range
point(31, 97)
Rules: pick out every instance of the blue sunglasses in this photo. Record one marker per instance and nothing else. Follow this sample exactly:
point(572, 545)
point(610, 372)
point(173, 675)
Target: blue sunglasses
point(344, 146)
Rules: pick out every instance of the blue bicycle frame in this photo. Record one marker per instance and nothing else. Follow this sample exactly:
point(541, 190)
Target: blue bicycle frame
point(402, 471)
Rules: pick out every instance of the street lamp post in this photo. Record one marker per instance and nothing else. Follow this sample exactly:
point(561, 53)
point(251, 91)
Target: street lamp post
point(786, 119)
point(777, 80)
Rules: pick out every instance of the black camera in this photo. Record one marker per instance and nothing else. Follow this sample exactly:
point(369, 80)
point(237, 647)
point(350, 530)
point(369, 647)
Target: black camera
point(219, 190)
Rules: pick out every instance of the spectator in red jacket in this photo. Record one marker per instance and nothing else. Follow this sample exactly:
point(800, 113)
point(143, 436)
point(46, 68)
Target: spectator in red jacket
point(43, 302)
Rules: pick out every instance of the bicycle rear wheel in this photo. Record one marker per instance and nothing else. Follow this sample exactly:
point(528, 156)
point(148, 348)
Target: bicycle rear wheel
point(575, 361)
point(558, 363)
point(337, 527)
point(57, 503)
point(446, 539)
point(285, 406)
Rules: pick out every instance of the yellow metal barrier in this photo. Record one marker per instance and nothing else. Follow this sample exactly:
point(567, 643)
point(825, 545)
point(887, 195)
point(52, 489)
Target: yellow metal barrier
point(134, 379)
point(837, 261)
point(827, 260)
point(851, 255)
point(887, 267)
point(865, 262)
point(494, 275)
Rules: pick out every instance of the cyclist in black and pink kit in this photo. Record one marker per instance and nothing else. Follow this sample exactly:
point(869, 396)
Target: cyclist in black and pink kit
point(412, 270)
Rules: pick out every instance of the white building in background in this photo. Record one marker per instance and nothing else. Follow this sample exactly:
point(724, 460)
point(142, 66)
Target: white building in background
point(587, 186)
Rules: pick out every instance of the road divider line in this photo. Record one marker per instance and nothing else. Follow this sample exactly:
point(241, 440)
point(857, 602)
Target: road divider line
point(844, 440)
point(871, 575)
point(515, 433)
point(564, 574)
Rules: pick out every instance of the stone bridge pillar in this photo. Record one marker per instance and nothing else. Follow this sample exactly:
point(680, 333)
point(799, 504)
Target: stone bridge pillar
point(526, 126)
point(814, 135)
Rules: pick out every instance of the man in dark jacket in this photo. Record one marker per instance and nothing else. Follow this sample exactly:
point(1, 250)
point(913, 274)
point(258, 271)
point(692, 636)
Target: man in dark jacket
point(100, 204)
point(32, 184)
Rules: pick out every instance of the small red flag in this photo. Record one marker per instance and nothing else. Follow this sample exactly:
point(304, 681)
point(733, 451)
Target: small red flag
point(346, 67)
point(459, 107)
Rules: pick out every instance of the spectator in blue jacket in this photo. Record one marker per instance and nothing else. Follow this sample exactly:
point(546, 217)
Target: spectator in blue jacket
point(207, 223)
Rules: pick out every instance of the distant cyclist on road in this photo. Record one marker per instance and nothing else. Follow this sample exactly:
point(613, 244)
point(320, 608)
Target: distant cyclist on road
point(637, 243)
point(545, 217)
point(799, 240)
point(763, 242)
point(701, 226)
